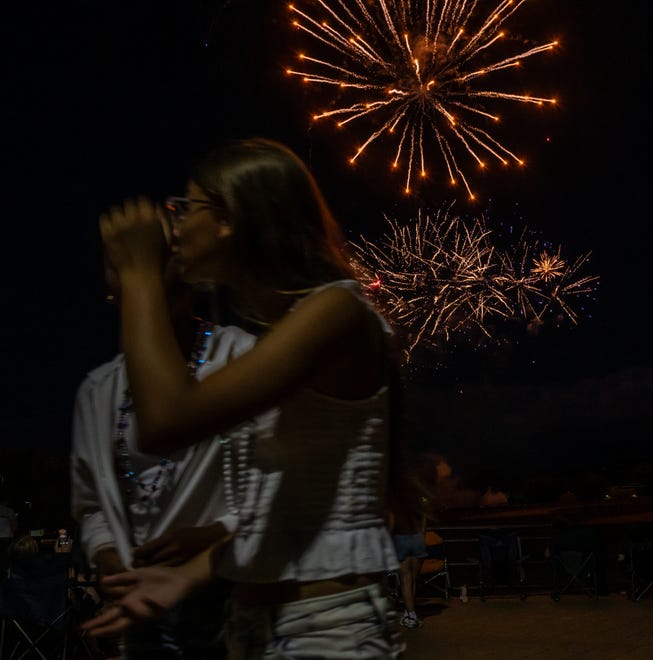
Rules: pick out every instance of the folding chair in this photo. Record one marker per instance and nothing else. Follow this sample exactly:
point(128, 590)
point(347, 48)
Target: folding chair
point(435, 569)
point(574, 561)
point(501, 563)
point(640, 566)
point(35, 608)
point(392, 587)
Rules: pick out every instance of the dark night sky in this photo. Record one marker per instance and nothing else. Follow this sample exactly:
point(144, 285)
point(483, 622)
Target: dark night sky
point(114, 100)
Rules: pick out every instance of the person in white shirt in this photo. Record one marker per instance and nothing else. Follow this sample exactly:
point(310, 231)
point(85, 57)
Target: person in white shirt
point(124, 498)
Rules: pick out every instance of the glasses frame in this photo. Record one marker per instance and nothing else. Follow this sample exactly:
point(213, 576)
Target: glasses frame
point(174, 211)
point(176, 206)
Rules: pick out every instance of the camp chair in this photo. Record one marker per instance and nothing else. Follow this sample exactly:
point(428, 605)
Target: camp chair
point(640, 566)
point(501, 562)
point(435, 570)
point(35, 607)
point(574, 561)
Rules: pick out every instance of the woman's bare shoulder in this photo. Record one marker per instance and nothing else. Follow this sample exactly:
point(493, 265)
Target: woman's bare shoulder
point(342, 301)
point(352, 343)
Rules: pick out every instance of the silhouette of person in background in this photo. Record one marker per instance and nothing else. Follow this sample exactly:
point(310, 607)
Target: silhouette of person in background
point(23, 546)
point(408, 524)
point(8, 526)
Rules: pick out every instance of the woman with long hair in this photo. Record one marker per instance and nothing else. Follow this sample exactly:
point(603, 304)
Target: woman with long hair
point(305, 416)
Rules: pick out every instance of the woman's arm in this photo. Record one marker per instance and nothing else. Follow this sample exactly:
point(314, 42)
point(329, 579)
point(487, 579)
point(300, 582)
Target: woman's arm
point(175, 411)
point(136, 248)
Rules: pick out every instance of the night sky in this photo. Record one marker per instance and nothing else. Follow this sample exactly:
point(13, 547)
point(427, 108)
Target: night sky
point(113, 100)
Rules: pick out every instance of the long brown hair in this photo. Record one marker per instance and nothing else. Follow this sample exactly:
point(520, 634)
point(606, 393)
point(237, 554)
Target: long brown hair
point(283, 230)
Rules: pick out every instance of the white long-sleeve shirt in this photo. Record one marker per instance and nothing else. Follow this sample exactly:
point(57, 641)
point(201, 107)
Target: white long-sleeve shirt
point(192, 492)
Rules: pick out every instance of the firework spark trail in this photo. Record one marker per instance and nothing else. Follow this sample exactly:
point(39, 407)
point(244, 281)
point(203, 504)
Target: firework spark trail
point(542, 282)
point(408, 67)
point(435, 276)
point(441, 275)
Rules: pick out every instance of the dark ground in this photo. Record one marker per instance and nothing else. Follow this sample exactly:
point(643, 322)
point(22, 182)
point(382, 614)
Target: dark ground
point(505, 628)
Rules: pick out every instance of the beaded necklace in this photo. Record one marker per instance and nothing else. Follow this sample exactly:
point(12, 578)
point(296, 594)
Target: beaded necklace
point(239, 441)
point(125, 467)
point(240, 480)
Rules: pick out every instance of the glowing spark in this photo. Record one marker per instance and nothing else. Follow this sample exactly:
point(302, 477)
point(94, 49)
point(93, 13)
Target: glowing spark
point(548, 266)
point(442, 276)
point(547, 285)
point(412, 65)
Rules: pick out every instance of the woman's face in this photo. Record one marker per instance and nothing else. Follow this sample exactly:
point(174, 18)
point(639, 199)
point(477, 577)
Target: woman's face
point(204, 240)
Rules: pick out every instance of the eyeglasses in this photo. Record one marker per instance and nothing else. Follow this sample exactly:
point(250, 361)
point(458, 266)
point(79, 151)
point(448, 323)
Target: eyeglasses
point(176, 208)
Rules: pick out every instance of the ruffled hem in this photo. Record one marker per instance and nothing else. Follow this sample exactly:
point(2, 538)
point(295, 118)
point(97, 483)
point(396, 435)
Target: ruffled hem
point(329, 555)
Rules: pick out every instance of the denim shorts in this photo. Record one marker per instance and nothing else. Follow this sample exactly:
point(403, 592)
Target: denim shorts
point(410, 545)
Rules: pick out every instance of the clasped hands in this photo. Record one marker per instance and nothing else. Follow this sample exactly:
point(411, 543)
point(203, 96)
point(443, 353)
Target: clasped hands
point(167, 570)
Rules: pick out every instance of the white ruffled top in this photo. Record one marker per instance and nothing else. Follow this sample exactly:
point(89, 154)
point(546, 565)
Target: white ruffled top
point(310, 480)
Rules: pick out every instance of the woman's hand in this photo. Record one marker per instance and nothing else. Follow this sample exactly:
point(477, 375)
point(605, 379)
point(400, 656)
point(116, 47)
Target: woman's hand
point(108, 563)
point(151, 593)
point(177, 547)
point(133, 236)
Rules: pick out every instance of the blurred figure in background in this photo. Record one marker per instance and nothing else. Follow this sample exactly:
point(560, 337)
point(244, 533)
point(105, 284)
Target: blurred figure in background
point(408, 524)
point(8, 525)
point(444, 488)
point(23, 546)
